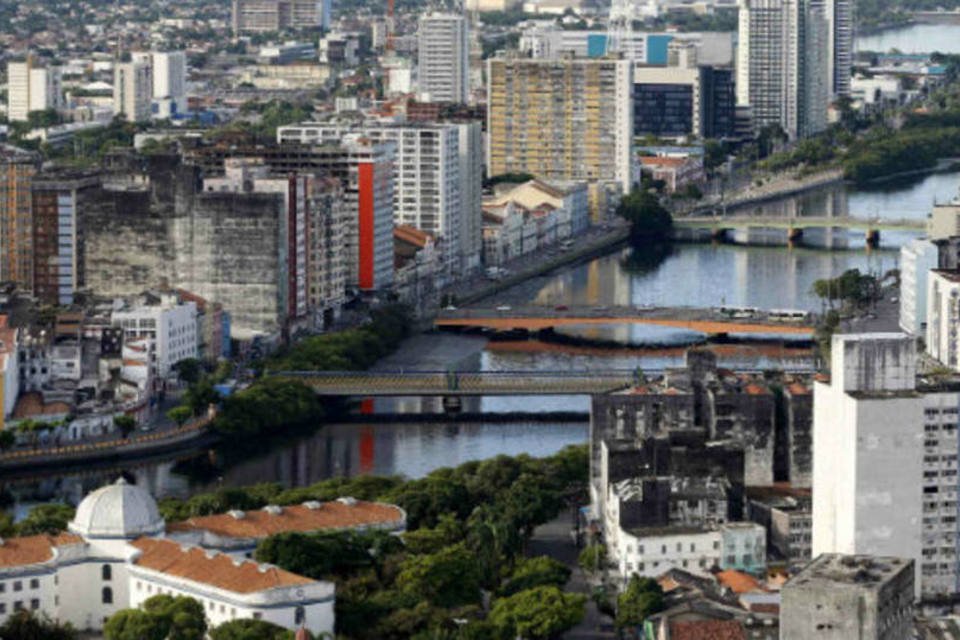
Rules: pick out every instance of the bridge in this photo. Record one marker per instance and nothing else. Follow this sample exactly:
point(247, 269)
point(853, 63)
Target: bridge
point(463, 383)
point(803, 222)
point(707, 321)
point(767, 230)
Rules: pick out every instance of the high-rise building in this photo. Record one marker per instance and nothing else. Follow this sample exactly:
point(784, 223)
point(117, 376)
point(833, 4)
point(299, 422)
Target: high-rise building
point(17, 169)
point(443, 58)
point(917, 258)
point(57, 238)
point(561, 119)
point(32, 88)
point(683, 98)
point(252, 16)
point(885, 459)
point(431, 193)
point(782, 64)
point(837, 597)
point(133, 90)
point(169, 70)
point(840, 13)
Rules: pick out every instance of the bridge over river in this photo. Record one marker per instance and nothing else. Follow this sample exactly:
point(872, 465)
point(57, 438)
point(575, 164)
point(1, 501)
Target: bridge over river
point(814, 230)
point(708, 321)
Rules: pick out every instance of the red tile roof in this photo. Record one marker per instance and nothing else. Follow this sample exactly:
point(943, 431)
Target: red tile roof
point(707, 630)
point(16, 552)
point(739, 582)
point(262, 523)
point(217, 569)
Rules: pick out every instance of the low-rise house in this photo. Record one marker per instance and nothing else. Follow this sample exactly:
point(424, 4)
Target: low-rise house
point(676, 171)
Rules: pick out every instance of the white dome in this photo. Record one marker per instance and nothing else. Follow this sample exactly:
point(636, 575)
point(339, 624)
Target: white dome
point(119, 510)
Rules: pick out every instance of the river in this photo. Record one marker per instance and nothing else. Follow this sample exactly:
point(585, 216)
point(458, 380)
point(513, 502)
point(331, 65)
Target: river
point(918, 38)
point(696, 275)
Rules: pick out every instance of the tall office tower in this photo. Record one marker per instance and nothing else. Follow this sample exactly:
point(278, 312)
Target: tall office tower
point(17, 168)
point(251, 16)
point(561, 119)
point(430, 192)
point(885, 460)
point(58, 247)
point(32, 88)
point(840, 13)
point(443, 58)
point(133, 90)
point(169, 81)
point(782, 64)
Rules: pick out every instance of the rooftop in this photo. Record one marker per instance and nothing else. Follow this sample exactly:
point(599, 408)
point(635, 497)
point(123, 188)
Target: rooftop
point(211, 568)
point(738, 581)
point(310, 516)
point(862, 571)
point(707, 630)
point(17, 552)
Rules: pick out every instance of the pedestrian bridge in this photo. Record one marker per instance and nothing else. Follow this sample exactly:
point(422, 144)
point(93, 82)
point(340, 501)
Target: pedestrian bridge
point(463, 383)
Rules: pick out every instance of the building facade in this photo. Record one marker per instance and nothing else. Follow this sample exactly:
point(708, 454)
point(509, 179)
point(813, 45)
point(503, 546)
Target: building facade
point(443, 58)
point(31, 87)
point(561, 119)
point(171, 325)
point(17, 170)
point(943, 316)
point(917, 258)
point(133, 90)
point(258, 16)
point(782, 64)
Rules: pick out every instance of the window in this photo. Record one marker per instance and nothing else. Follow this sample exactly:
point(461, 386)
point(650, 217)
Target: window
point(3, 587)
point(106, 572)
point(34, 604)
point(18, 586)
point(257, 615)
point(663, 549)
point(731, 560)
point(679, 546)
point(34, 583)
point(299, 615)
point(18, 605)
point(106, 596)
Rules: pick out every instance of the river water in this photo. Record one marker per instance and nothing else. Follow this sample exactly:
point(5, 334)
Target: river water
point(919, 38)
point(695, 275)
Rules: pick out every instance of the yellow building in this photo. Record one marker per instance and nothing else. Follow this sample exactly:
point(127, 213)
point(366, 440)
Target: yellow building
point(560, 119)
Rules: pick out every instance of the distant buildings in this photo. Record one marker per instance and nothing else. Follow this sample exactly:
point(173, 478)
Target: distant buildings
point(943, 316)
point(443, 58)
point(17, 169)
point(837, 597)
point(258, 16)
point(561, 119)
point(133, 90)
point(783, 71)
point(840, 14)
point(785, 514)
point(169, 70)
point(169, 324)
point(31, 87)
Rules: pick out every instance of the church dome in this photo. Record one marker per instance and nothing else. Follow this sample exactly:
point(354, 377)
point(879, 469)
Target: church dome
point(119, 510)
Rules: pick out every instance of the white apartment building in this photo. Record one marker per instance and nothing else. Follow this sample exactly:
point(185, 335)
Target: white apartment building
point(133, 90)
point(943, 317)
point(443, 58)
point(32, 88)
point(115, 556)
point(169, 82)
point(172, 325)
point(917, 258)
point(437, 182)
point(783, 72)
point(885, 459)
point(840, 14)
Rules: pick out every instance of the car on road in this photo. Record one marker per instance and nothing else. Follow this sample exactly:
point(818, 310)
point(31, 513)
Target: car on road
point(449, 307)
point(561, 307)
point(504, 307)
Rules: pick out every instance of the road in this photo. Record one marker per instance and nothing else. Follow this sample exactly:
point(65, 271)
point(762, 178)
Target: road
point(553, 539)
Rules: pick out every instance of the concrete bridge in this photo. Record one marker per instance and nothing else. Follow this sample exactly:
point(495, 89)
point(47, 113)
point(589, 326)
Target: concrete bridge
point(768, 230)
point(708, 321)
point(463, 383)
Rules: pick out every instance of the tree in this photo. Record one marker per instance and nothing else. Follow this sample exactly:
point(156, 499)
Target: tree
point(189, 370)
point(49, 518)
point(649, 220)
point(593, 558)
point(642, 598)
point(24, 625)
point(536, 572)
point(134, 624)
point(179, 415)
point(7, 439)
point(448, 578)
point(200, 396)
point(183, 616)
point(125, 424)
point(249, 629)
point(535, 614)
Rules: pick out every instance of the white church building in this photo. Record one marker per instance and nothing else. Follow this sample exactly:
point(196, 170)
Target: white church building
point(117, 554)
